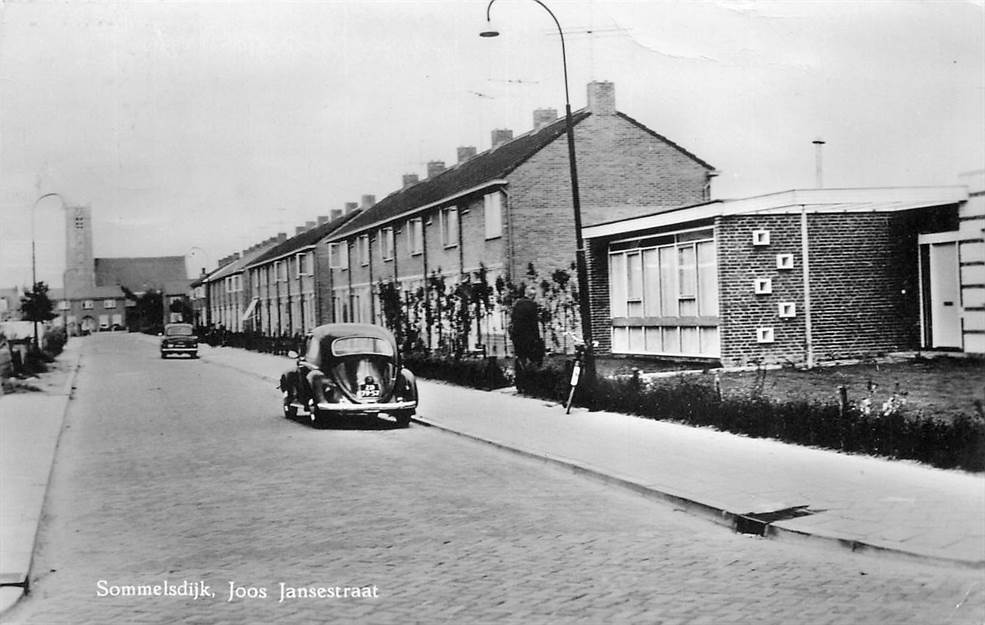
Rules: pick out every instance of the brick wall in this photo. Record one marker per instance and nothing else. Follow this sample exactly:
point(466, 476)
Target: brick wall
point(597, 261)
point(741, 310)
point(623, 171)
point(863, 281)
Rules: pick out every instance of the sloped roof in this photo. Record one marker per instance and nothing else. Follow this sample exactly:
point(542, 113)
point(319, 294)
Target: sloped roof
point(140, 274)
point(303, 240)
point(237, 265)
point(489, 165)
point(665, 140)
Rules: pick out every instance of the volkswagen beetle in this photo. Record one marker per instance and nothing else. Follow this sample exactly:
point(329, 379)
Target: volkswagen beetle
point(348, 368)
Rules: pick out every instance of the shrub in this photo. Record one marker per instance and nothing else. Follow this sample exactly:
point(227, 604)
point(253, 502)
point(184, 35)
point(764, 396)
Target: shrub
point(473, 372)
point(54, 340)
point(958, 443)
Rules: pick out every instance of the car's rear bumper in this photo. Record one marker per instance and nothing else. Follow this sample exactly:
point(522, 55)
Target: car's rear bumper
point(395, 406)
point(179, 350)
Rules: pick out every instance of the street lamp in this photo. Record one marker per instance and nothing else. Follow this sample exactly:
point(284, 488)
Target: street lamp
point(34, 259)
point(585, 309)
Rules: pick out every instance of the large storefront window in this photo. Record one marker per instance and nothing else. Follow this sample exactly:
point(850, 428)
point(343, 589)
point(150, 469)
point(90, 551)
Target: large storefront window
point(664, 294)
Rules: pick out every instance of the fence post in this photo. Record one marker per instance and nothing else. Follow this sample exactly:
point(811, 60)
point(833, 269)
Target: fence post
point(842, 400)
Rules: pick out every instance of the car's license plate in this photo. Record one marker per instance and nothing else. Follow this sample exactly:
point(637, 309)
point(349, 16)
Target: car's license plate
point(369, 390)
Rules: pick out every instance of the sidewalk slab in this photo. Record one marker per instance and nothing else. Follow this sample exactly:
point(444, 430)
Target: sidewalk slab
point(853, 501)
point(30, 425)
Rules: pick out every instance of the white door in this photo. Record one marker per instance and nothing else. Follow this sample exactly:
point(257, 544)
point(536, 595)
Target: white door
point(945, 293)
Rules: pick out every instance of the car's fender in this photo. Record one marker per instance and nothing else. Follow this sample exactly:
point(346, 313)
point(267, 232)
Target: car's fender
point(409, 383)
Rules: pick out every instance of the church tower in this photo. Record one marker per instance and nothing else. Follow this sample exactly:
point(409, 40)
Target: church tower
point(80, 266)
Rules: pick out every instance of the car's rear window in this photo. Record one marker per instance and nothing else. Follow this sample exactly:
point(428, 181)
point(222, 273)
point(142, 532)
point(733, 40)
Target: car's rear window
point(178, 331)
point(351, 345)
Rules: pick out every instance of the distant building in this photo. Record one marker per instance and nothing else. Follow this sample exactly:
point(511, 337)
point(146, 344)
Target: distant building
point(93, 297)
point(10, 303)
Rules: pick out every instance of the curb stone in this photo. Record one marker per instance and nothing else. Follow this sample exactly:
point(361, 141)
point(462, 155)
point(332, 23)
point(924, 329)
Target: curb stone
point(11, 593)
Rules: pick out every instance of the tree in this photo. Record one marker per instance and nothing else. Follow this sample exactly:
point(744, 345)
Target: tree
point(36, 306)
point(147, 314)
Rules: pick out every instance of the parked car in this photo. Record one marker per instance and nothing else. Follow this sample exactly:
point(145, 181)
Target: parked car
point(348, 368)
point(179, 338)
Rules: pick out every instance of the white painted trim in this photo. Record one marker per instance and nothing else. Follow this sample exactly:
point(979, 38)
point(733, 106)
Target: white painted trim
point(952, 236)
point(791, 202)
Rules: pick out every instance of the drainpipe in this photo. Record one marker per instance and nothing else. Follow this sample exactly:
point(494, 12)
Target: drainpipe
point(804, 253)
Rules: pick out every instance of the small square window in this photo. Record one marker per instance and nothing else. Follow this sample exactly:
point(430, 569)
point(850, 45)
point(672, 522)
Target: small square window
point(787, 309)
point(764, 335)
point(760, 237)
point(784, 261)
point(763, 286)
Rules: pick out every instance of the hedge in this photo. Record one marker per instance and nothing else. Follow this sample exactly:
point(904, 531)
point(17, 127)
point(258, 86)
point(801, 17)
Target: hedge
point(955, 443)
point(483, 373)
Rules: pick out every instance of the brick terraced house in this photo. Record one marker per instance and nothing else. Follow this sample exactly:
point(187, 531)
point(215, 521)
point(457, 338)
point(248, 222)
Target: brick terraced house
point(508, 207)
point(284, 279)
point(797, 277)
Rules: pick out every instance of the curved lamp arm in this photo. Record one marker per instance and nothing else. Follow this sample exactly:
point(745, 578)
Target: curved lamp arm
point(564, 55)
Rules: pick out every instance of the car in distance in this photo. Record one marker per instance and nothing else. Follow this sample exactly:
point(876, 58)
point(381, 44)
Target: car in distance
point(345, 369)
point(179, 338)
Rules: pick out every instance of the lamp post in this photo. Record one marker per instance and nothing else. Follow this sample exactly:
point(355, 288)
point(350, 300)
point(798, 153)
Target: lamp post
point(34, 260)
point(582, 268)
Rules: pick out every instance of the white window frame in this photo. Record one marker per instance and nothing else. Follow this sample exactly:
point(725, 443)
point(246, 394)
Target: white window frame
point(87, 304)
point(338, 255)
point(386, 243)
point(303, 260)
point(109, 303)
point(362, 249)
point(415, 236)
point(449, 226)
point(492, 212)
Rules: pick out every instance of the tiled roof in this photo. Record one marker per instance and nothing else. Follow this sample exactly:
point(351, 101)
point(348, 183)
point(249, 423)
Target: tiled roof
point(303, 240)
point(139, 274)
point(489, 165)
point(237, 265)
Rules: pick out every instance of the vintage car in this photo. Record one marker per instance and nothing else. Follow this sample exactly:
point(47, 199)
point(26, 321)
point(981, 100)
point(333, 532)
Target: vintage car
point(179, 338)
point(348, 368)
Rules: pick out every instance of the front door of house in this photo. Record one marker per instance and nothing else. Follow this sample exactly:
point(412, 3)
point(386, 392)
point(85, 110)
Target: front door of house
point(944, 305)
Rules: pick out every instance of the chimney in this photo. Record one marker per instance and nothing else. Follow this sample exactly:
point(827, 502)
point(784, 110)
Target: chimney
point(435, 168)
point(350, 206)
point(298, 230)
point(410, 179)
point(308, 225)
point(501, 136)
point(281, 237)
point(322, 219)
point(465, 153)
point(334, 214)
point(601, 98)
point(543, 117)
point(366, 201)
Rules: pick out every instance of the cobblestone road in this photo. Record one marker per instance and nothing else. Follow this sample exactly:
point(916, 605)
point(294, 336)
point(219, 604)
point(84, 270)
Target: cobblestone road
point(181, 470)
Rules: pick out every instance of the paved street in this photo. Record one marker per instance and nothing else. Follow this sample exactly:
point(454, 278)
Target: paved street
point(183, 470)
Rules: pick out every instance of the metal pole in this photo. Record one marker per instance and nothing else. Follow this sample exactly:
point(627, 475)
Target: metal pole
point(580, 261)
point(34, 262)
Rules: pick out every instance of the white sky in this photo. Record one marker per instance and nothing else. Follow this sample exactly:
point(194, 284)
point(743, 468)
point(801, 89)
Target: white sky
point(200, 128)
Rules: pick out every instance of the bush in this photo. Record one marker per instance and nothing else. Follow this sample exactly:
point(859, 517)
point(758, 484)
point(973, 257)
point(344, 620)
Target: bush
point(473, 372)
point(958, 443)
point(54, 340)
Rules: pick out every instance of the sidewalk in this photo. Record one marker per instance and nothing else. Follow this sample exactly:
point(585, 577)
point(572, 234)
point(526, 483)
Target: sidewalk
point(30, 424)
point(897, 508)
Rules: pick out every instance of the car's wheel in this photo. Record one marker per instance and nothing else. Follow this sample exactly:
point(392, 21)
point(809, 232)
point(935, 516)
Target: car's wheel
point(403, 417)
point(290, 410)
